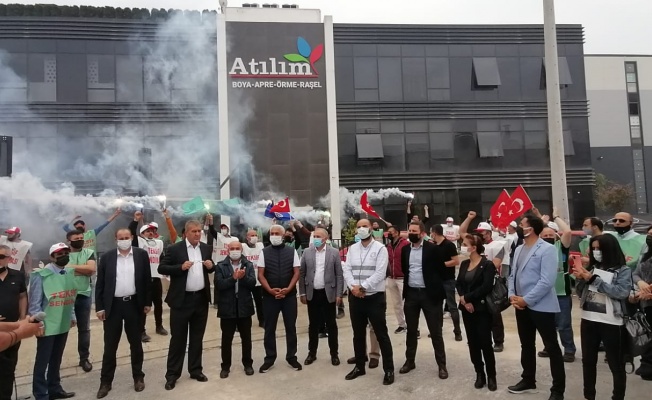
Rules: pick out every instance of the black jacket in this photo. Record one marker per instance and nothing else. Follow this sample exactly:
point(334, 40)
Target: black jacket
point(106, 276)
point(482, 284)
point(227, 301)
point(433, 269)
point(171, 262)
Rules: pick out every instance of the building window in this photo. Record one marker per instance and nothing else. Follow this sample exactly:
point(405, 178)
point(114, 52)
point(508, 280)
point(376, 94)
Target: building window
point(636, 135)
point(565, 77)
point(631, 77)
point(42, 77)
point(442, 145)
point(485, 73)
point(490, 144)
point(569, 148)
point(370, 147)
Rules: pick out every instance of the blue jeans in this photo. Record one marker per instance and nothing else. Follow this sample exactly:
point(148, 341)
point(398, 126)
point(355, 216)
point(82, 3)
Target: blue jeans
point(83, 306)
point(563, 321)
point(47, 377)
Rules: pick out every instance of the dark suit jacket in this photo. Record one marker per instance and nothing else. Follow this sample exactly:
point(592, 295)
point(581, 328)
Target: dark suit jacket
point(433, 268)
point(480, 286)
point(230, 306)
point(106, 276)
point(170, 265)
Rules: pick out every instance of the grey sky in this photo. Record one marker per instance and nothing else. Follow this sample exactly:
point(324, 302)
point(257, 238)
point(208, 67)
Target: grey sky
point(611, 26)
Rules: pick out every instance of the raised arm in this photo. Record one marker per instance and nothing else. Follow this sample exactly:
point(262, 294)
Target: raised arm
point(171, 229)
point(565, 232)
point(464, 227)
point(108, 221)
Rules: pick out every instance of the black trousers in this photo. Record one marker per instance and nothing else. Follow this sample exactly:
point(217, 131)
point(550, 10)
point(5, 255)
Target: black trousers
point(528, 322)
point(370, 310)
point(8, 361)
point(127, 313)
point(321, 312)
point(478, 326)
point(273, 307)
point(187, 326)
point(498, 329)
point(417, 300)
point(228, 327)
point(613, 338)
point(157, 301)
point(258, 301)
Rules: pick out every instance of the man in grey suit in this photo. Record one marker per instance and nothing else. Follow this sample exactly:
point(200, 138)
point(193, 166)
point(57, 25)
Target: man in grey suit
point(320, 286)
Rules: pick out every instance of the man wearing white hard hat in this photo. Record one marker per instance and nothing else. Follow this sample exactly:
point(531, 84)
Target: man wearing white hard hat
point(20, 256)
point(451, 231)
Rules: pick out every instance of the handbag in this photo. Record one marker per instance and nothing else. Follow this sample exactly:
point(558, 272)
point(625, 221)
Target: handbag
point(639, 333)
point(497, 300)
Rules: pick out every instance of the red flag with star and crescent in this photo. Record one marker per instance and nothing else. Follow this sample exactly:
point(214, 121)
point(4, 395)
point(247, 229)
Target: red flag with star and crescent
point(520, 203)
point(366, 207)
point(282, 206)
point(500, 217)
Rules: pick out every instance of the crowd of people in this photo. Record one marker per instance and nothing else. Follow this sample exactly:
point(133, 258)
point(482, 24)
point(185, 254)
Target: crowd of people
point(611, 274)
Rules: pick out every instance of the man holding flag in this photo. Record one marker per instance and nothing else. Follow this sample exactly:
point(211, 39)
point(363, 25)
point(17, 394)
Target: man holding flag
point(90, 236)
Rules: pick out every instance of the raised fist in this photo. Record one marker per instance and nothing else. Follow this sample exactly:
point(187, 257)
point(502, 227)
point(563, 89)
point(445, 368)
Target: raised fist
point(471, 215)
point(138, 216)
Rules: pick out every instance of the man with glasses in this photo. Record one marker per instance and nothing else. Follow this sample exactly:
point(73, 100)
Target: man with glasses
point(631, 243)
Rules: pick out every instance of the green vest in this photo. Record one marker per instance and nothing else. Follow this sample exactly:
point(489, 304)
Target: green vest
point(584, 246)
point(83, 282)
point(179, 238)
point(60, 292)
point(89, 240)
point(632, 249)
point(562, 283)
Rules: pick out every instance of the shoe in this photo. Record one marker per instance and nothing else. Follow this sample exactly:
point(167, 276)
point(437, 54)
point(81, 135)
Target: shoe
point(350, 361)
point(523, 387)
point(638, 371)
point(323, 335)
point(400, 329)
point(161, 331)
point(407, 367)
point(543, 354)
point(335, 360)
point(430, 335)
point(295, 365)
point(458, 337)
point(492, 385)
point(447, 315)
point(86, 365)
point(340, 314)
point(388, 379)
point(498, 348)
point(145, 338)
point(265, 367)
point(569, 357)
point(418, 334)
point(224, 374)
point(199, 377)
point(356, 372)
point(62, 395)
point(480, 381)
point(556, 396)
point(443, 373)
point(170, 384)
point(105, 388)
point(261, 324)
point(139, 384)
point(310, 359)
point(249, 371)
point(373, 363)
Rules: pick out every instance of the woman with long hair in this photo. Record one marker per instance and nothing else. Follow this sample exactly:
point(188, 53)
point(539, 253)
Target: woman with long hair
point(643, 282)
point(602, 288)
point(474, 282)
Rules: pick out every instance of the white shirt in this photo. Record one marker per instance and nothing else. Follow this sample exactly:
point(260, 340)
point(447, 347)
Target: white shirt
point(451, 233)
point(320, 263)
point(125, 275)
point(252, 254)
point(261, 260)
point(195, 280)
point(495, 249)
point(366, 266)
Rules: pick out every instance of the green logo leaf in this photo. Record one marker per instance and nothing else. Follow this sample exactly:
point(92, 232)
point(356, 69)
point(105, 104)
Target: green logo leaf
point(295, 58)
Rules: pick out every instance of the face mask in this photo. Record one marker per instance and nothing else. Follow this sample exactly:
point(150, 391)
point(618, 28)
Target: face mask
point(224, 232)
point(77, 244)
point(549, 240)
point(363, 233)
point(2, 270)
point(390, 237)
point(235, 254)
point(276, 240)
point(414, 237)
point(587, 231)
point(529, 232)
point(253, 239)
point(124, 244)
point(450, 224)
point(356, 238)
point(62, 261)
point(623, 229)
point(12, 238)
point(597, 254)
point(464, 250)
point(317, 242)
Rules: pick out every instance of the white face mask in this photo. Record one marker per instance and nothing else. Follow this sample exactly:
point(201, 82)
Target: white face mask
point(235, 254)
point(276, 240)
point(450, 224)
point(529, 232)
point(464, 250)
point(597, 254)
point(253, 239)
point(363, 233)
point(124, 244)
point(225, 232)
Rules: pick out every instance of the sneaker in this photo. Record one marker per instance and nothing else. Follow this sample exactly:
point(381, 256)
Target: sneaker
point(498, 348)
point(400, 329)
point(295, 365)
point(569, 357)
point(266, 367)
point(523, 387)
point(447, 315)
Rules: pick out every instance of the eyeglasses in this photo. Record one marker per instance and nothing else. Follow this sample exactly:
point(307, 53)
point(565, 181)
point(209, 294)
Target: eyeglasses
point(620, 220)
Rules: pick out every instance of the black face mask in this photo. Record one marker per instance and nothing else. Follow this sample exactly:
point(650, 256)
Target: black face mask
point(62, 261)
point(2, 270)
point(77, 244)
point(622, 229)
point(414, 237)
point(390, 237)
point(549, 240)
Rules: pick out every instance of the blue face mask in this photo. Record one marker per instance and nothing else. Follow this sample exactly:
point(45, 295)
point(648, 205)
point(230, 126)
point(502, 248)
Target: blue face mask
point(317, 242)
point(357, 238)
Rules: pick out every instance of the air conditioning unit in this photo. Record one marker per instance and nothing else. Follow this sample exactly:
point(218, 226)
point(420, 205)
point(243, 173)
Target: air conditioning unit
point(270, 5)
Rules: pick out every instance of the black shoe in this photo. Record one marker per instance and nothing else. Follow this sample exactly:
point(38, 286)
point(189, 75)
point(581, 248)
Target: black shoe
point(310, 359)
point(443, 373)
point(139, 384)
point(388, 379)
point(400, 329)
point(295, 364)
point(249, 371)
point(265, 367)
point(480, 381)
point(199, 377)
point(335, 360)
point(458, 337)
point(430, 335)
point(556, 396)
point(419, 334)
point(498, 348)
point(373, 363)
point(224, 374)
point(145, 338)
point(340, 314)
point(62, 395)
point(86, 365)
point(105, 388)
point(543, 354)
point(170, 384)
point(492, 385)
point(523, 387)
point(161, 331)
point(569, 357)
point(407, 367)
point(350, 361)
point(261, 324)
point(356, 372)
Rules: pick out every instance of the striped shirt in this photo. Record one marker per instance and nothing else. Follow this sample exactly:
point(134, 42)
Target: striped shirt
point(366, 267)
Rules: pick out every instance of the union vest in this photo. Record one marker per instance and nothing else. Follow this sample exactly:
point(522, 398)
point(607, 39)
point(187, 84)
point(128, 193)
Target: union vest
point(279, 267)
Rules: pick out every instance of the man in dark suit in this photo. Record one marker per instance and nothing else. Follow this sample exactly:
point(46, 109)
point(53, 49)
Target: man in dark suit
point(188, 264)
point(122, 295)
point(424, 270)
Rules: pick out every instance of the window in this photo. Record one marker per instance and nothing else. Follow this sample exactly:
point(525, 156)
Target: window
point(636, 132)
point(442, 146)
point(536, 140)
point(631, 77)
point(565, 77)
point(630, 67)
point(485, 72)
point(365, 73)
point(632, 88)
point(637, 154)
point(42, 77)
point(634, 120)
point(569, 148)
point(633, 108)
point(370, 146)
point(490, 144)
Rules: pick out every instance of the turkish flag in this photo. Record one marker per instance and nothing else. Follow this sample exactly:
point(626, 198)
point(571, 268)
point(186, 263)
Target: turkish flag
point(282, 206)
point(364, 203)
point(500, 217)
point(520, 203)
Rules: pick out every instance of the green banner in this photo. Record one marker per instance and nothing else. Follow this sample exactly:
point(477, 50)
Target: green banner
point(193, 206)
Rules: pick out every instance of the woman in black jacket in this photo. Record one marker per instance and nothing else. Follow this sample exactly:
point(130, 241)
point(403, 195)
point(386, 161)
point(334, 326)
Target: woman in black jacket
point(474, 282)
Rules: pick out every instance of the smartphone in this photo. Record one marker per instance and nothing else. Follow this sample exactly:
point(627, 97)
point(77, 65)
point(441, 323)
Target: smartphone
point(575, 261)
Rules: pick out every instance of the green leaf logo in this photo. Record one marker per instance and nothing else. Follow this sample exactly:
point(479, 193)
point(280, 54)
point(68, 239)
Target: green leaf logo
point(296, 58)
